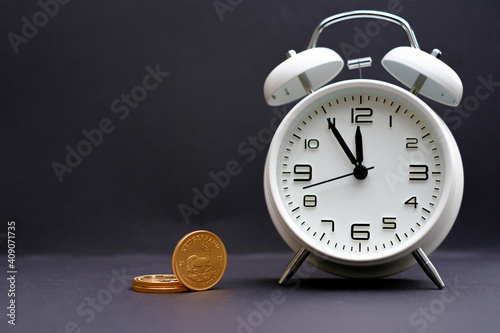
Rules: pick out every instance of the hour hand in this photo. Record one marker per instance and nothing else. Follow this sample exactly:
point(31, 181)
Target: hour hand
point(336, 133)
point(359, 146)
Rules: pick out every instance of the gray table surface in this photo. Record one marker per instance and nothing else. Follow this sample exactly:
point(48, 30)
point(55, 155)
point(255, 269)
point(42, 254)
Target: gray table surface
point(56, 293)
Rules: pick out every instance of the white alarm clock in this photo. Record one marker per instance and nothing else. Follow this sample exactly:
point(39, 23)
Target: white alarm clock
point(362, 178)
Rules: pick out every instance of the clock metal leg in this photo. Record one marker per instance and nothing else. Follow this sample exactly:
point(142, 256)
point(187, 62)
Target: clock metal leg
point(428, 267)
point(294, 265)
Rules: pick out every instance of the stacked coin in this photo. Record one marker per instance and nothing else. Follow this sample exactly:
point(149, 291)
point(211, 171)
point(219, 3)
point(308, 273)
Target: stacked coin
point(157, 284)
point(199, 262)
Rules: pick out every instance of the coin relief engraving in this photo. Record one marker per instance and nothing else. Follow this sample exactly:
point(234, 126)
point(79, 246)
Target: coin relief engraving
point(199, 260)
point(200, 266)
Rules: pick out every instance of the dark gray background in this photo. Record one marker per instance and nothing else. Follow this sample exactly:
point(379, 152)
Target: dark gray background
point(124, 196)
point(118, 210)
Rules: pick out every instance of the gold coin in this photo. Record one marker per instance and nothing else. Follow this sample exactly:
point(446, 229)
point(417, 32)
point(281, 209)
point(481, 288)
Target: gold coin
point(199, 260)
point(159, 290)
point(156, 280)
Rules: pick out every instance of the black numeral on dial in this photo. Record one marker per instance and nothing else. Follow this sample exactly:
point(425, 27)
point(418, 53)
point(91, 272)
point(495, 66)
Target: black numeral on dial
point(361, 115)
point(389, 223)
point(412, 201)
point(419, 172)
point(310, 200)
point(304, 170)
point(329, 221)
point(411, 143)
point(311, 144)
point(358, 234)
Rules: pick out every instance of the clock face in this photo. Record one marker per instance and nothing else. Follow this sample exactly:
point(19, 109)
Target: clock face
point(360, 171)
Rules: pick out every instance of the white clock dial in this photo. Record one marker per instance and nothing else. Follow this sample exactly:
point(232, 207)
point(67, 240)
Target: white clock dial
point(363, 173)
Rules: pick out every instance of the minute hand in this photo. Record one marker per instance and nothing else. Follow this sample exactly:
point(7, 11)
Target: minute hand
point(341, 141)
point(336, 178)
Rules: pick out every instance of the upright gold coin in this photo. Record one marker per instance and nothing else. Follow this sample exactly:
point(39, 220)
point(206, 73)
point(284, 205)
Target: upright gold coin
point(156, 280)
point(159, 290)
point(199, 260)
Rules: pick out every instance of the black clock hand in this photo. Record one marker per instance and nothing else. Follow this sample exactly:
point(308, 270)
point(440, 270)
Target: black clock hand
point(359, 146)
point(336, 178)
point(360, 171)
point(341, 141)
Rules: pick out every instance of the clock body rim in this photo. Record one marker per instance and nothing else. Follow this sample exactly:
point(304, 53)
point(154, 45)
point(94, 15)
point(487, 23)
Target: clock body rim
point(390, 261)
